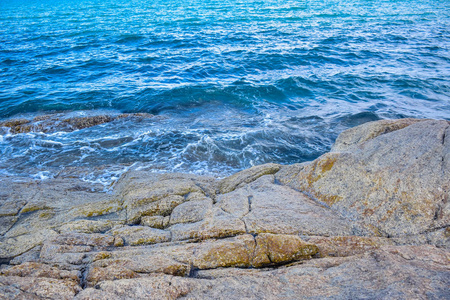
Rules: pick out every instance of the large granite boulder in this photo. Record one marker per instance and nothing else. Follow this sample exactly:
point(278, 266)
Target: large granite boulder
point(394, 183)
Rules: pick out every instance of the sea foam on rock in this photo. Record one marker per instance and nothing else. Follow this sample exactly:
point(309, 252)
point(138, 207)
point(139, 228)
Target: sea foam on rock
point(368, 220)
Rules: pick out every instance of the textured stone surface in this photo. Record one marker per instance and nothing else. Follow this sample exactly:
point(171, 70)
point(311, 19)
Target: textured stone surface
point(387, 273)
point(15, 287)
point(190, 212)
point(217, 224)
point(367, 221)
point(229, 184)
point(279, 209)
point(395, 184)
point(140, 235)
point(155, 221)
point(146, 194)
point(60, 122)
point(360, 134)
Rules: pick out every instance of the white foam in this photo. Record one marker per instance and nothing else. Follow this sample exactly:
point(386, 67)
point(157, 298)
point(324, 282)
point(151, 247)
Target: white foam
point(42, 175)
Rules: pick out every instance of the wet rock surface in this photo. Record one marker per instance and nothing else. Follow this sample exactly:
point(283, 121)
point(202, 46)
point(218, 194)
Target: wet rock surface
point(369, 220)
point(62, 122)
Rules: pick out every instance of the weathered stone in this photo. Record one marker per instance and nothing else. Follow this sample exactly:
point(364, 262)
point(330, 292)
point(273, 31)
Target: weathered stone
point(279, 209)
point(439, 237)
point(94, 240)
point(246, 251)
point(191, 211)
point(385, 273)
point(70, 251)
point(236, 202)
point(6, 222)
point(141, 235)
point(395, 184)
point(12, 247)
point(11, 208)
point(95, 209)
point(155, 221)
point(342, 246)
point(31, 255)
point(360, 134)
point(150, 287)
point(162, 207)
point(8, 291)
point(88, 226)
point(237, 180)
point(218, 224)
point(38, 288)
point(113, 272)
point(281, 248)
point(34, 269)
point(130, 262)
point(63, 122)
point(231, 252)
point(147, 194)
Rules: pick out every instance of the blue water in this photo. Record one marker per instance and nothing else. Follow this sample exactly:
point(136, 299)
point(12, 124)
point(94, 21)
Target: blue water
point(234, 83)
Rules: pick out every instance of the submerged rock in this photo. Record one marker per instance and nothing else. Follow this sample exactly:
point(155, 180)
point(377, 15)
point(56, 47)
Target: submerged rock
point(62, 122)
point(368, 220)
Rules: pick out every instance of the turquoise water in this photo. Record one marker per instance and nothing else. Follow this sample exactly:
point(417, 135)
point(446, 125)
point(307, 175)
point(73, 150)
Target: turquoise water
point(234, 83)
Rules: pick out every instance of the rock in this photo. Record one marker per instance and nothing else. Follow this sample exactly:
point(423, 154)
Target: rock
point(71, 251)
point(62, 122)
point(155, 221)
point(34, 269)
point(15, 287)
point(439, 238)
point(163, 206)
point(279, 209)
point(182, 259)
point(31, 255)
point(236, 203)
point(138, 261)
point(113, 272)
point(395, 184)
point(190, 212)
point(342, 246)
point(247, 251)
point(364, 221)
point(88, 226)
point(360, 134)
point(6, 222)
point(229, 184)
point(147, 194)
point(15, 246)
point(11, 208)
point(384, 273)
point(141, 235)
point(231, 252)
point(218, 224)
point(280, 249)
point(151, 287)
point(97, 208)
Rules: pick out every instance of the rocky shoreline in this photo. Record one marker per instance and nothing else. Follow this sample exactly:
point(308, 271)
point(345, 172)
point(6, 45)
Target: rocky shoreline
point(369, 220)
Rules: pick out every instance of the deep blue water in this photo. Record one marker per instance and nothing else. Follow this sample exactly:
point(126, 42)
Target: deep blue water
point(234, 83)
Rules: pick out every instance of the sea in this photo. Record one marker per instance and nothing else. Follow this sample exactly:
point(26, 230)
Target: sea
point(231, 83)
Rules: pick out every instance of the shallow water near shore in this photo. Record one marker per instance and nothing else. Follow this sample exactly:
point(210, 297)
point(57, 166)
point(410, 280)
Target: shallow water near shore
point(231, 84)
